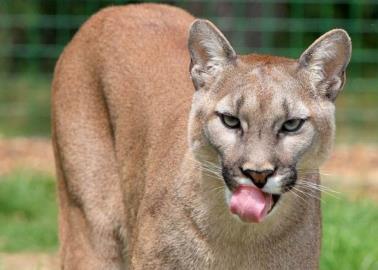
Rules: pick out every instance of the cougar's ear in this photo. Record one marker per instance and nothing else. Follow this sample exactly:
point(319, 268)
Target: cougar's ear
point(209, 50)
point(326, 60)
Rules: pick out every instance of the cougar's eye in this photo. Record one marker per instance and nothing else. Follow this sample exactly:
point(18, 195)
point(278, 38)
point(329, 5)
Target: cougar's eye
point(230, 121)
point(292, 125)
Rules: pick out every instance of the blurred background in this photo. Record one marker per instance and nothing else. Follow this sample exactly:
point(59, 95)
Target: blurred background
point(33, 34)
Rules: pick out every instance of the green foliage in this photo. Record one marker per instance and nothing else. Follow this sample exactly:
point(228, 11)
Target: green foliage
point(24, 106)
point(356, 115)
point(25, 109)
point(28, 212)
point(34, 31)
point(349, 235)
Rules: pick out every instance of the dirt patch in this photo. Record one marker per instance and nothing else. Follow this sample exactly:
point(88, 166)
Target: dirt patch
point(356, 164)
point(26, 153)
point(353, 167)
point(353, 170)
point(29, 261)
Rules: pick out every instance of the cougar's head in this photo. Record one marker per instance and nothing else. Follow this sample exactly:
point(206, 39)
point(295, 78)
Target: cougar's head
point(261, 121)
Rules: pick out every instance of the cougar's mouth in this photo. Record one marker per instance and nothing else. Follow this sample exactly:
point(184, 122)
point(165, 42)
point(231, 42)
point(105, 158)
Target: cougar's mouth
point(251, 204)
point(276, 198)
point(289, 185)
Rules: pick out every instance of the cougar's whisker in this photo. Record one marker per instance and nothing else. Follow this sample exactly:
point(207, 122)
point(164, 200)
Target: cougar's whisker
point(323, 191)
point(318, 186)
point(308, 194)
point(302, 200)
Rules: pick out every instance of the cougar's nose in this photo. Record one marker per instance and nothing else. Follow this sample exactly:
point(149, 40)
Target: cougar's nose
point(259, 178)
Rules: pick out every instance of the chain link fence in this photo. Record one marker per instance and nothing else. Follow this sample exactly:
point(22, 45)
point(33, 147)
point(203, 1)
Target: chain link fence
point(34, 32)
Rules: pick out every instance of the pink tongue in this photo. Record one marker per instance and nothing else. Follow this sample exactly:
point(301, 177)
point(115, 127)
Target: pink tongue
point(250, 203)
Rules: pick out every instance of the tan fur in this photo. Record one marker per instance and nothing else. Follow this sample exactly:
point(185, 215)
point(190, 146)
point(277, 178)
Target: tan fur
point(130, 137)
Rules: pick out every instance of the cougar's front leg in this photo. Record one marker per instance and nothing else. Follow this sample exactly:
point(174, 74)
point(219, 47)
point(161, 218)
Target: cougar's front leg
point(91, 209)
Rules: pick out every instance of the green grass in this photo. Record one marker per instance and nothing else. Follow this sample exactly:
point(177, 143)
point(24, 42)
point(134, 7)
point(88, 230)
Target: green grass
point(28, 222)
point(350, 235)
point(28, 213)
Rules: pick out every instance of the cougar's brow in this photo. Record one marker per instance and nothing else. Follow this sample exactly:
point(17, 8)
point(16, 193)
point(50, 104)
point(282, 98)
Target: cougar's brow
point(239, 103)
point(285, 106)
point(286, 112)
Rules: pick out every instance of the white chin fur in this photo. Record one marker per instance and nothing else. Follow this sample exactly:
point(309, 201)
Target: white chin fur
point(273, 185)
point(244, 181)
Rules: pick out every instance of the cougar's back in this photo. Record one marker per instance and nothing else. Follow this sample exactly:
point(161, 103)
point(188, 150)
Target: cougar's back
point(121, 96)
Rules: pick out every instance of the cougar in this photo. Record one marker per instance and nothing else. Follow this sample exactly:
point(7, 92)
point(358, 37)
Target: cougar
point(174, 152)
